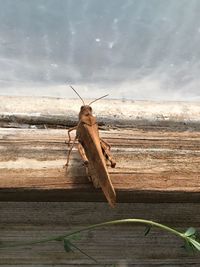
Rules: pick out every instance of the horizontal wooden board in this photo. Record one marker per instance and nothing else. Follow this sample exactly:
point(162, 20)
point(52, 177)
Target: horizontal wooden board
point(157, 149)
point(151, 166)
point(54, 112)
point(23, 222)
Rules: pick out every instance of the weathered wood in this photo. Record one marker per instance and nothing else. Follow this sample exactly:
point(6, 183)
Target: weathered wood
point(125, 243)
point(158, 160)
point(151, 166)
point(16, 111)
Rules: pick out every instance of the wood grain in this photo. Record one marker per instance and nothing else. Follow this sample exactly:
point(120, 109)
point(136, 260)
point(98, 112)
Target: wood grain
point(24, 221)
point(151, 166)
point(40, 111)
point(157, 149)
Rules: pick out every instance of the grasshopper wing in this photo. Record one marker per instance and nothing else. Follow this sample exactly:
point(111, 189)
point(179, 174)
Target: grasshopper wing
point(88, 136)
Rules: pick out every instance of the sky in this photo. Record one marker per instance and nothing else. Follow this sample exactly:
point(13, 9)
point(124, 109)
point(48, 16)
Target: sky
point(130, 49)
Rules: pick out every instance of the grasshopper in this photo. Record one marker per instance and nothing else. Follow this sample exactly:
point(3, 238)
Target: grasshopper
point(94, 151)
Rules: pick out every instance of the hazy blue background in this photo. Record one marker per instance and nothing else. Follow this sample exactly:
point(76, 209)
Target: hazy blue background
point(138, 49)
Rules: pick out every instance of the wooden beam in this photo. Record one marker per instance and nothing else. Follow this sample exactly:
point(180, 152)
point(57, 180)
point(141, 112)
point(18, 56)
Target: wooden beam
point(23, 222)
point(157, 149)
point(23, 111)
point(152, 166)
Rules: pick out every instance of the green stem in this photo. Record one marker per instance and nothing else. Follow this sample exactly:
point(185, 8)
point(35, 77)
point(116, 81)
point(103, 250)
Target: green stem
point(84, 253)
point(99, 225)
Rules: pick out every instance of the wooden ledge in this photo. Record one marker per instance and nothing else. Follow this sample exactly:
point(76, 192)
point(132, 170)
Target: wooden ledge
point(152, 166)
point(156, 146)
point(24, 111)
point(158, 160)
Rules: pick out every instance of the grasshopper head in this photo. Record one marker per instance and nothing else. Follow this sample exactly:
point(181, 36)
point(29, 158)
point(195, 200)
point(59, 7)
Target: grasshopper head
point(85, 115)
point(86, 110)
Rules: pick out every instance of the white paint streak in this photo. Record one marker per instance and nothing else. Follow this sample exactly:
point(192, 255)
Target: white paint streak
point(24, 163)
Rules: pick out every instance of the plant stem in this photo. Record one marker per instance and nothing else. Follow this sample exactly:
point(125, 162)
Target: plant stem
point(99, 225)
point(83, 252)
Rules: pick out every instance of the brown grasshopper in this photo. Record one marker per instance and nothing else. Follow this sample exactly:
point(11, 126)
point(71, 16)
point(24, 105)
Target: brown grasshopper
point(94, 151)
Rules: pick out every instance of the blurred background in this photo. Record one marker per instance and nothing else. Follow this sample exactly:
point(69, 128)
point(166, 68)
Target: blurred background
point(131, 49)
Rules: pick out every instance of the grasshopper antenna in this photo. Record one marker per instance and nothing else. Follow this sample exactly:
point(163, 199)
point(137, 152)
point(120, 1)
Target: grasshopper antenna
point(78, 95)
point(97, 99)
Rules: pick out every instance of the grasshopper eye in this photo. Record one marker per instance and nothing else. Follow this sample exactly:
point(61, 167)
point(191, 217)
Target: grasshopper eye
point(82, 107)
point(90, 108)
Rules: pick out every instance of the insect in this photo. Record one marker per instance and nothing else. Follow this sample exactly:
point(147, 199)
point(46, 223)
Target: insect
point(94, 151)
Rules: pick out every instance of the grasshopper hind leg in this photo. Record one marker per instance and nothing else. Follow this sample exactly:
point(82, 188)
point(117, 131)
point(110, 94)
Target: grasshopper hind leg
point(89, 172)
point(106, 151)
point(83, 156)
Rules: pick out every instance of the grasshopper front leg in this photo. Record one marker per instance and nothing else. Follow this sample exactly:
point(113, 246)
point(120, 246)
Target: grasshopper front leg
point(69, 151)
point(69, 140)
point(69, 136)
point(106, 151)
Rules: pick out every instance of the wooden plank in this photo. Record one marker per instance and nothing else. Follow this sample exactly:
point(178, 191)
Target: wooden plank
point(157, 147)
point(122, 244)
point(23, 111)
point(152, 166)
